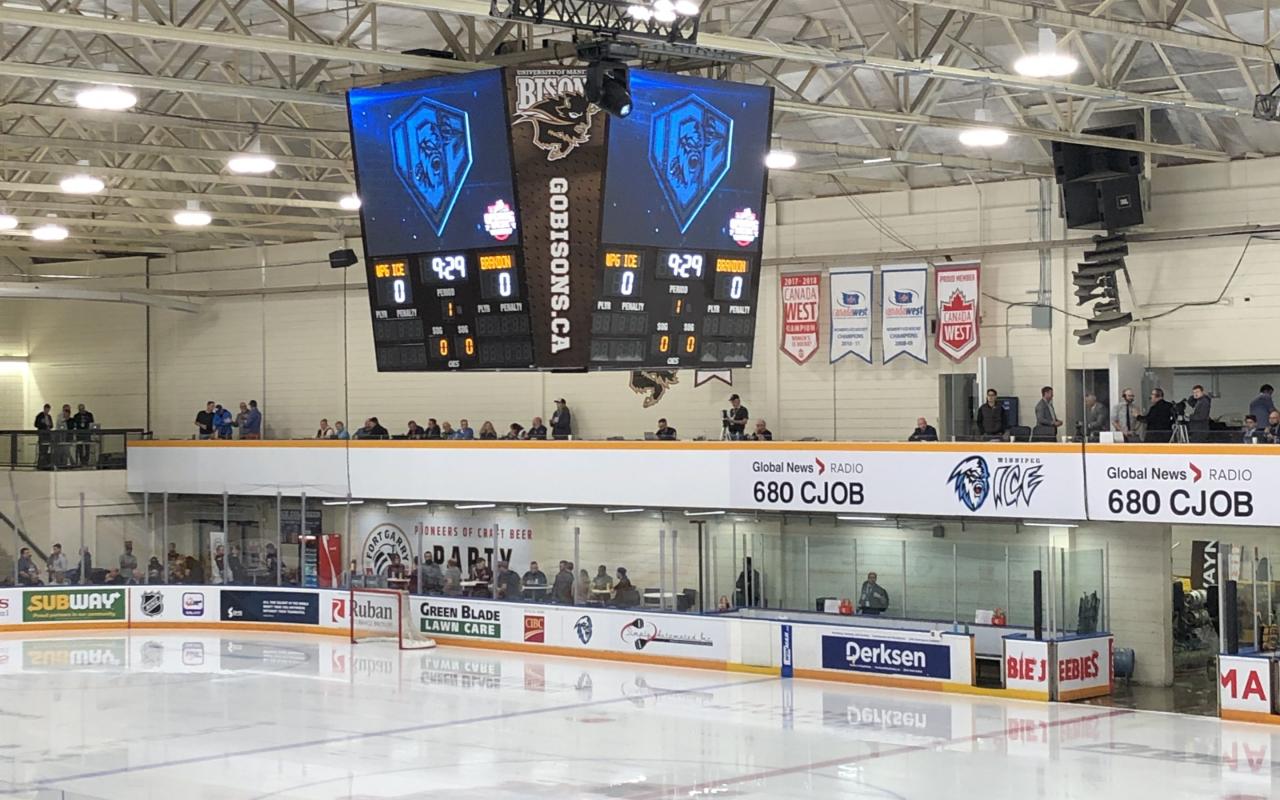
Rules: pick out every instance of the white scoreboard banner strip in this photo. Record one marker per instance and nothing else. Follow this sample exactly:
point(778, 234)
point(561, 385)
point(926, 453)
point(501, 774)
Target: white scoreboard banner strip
point(1213, 488)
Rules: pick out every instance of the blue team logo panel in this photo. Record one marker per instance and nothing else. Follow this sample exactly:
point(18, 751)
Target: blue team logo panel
point(431, 149)
point(689, 146)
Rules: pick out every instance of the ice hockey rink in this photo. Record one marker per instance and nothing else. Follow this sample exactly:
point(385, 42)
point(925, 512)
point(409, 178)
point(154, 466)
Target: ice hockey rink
point(262, 716)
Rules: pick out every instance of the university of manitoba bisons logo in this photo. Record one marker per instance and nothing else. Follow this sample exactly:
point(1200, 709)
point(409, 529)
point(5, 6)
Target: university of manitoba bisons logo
point(381, 542)
point(554, 102)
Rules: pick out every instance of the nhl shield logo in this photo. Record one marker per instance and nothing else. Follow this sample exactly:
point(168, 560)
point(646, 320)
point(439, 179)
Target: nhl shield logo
point(152, 603)
point(431, 148)
point(689, 146)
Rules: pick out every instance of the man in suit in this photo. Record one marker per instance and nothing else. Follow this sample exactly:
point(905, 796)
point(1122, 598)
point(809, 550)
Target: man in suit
point(1124, 416)
point(1047, 422)
point(1159, 418)
point(44, 424)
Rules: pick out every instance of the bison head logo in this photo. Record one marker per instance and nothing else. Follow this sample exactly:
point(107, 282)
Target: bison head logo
point(653, 384)
point(560, 123)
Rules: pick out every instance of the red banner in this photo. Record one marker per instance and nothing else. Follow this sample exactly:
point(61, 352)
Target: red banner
point(957, 288)
point(801, 299)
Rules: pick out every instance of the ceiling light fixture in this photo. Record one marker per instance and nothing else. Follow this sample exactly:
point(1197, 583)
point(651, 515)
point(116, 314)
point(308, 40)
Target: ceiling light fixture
point(251, 160)
point(473, 506)
point(1050, 525)
point(639, 13)
point(780, 159)
point(81, 182)
point(883, 160)
point(536, 509)
point(687, 8)
point(106, 98)
point(50, 231)
point(1047, 62)
point(984, 134)
point(349, 202)
point(861, 519)
point(408, 504)
point(8, 222)
point(341, 502)
point(192, 216)
point(623, 510)
point(703, 513)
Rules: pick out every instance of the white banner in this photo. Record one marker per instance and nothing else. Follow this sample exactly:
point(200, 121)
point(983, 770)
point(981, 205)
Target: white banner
point(1219, 489)
point(409, 532)
point(851, 314)
point(957, 288)
point(801, 300)
point(903, 295)
point(1009, 482)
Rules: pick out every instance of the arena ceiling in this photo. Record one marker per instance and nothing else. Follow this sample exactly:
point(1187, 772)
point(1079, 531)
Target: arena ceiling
point(856, 81)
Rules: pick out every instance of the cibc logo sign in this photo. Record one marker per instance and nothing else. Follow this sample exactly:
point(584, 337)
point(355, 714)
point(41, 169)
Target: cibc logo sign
point(886, 656)
point(1181, 490)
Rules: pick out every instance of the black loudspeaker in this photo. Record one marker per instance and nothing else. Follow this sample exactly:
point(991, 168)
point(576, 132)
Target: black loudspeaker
point(1087, 162)
point(939, 531)
point(1109, 204)
point(339, 259)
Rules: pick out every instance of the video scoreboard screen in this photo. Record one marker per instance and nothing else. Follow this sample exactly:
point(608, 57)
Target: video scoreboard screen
point(441, 230)
point(509, 224)
point(679, 269)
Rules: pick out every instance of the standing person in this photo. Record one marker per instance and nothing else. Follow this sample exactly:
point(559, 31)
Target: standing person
point(562, 589)
point(536, 429)
point(204, 421)
point(625, 594)
point(1262, 405)
point(453, 578)
point(508, 582)
point(992, 423)
point(1124, 417)
point(736, 422)
point(873, 599)
point(235, 565)
point(128, 561)
point(561, 421)
point(222, 422)
point(1095, 417)
point(325, 431)
point(86, 566)
point(57, 565)
point(82, 423)
point(44, 426)
point(534, 577)
point(1159, 418)
point(430, 578)
point(1047, 422)
point(251, 422)
point(61, 451)
point(924, 432)
point(582, 588)
point(1198, 416)
point(746, 592)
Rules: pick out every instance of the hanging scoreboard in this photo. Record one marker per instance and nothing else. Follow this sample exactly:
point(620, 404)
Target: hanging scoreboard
point(600, 244)
point(678, 274)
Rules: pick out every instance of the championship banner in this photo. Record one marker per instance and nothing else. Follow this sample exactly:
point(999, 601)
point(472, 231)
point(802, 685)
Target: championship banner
point(851, 314)
point(801, 294)
point(903, 295)
point(558, 150)
point(956, 287)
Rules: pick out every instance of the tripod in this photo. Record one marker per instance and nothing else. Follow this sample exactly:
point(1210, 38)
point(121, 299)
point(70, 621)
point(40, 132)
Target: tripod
point(1179, 435)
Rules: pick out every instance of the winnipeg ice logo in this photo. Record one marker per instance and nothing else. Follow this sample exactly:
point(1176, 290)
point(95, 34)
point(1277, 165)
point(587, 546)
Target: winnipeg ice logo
point(431, 147)
point(583, 628)
point(689, 146)
point(971, 480)
point(1011, 485)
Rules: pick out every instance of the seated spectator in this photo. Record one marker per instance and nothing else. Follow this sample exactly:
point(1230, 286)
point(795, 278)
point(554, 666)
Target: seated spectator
point(483, 577)
point(340, 431)
point(762, 433)
point(155, 570)
point(534, 577)
point(430, 578)
point(624, 594)
point(114, 578)
point(924, 432)
point(562, 589)
point(665, 432)
point(414, 431)
point(325, 431)
point(1272, 431)
point(27, 573)
point(453, 578)
point(446, 431)
point(372, 430)
point(516, 431)
point(432, 431)
point(508, 582)
point(602, 580)
point(536, 429)
point(1251, 434)
point(487, 431)
point(465, 431)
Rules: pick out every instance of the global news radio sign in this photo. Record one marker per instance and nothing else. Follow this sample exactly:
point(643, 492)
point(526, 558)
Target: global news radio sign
point(886, 657)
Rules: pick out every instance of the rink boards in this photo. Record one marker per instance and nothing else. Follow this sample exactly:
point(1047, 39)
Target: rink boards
point(938, 660)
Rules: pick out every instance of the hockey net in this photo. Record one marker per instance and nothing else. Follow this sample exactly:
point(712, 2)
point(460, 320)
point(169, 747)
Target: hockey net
point(384, 615)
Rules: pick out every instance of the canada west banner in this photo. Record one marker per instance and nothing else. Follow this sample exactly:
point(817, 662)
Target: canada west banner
point(957, 288)
point(851, 314)
point(903, 298)
point(801, 298)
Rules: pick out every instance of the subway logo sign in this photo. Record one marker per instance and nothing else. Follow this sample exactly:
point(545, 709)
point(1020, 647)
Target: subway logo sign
point(65, 605)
